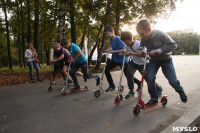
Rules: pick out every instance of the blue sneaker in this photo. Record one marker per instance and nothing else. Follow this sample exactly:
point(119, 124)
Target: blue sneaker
point(70, 80)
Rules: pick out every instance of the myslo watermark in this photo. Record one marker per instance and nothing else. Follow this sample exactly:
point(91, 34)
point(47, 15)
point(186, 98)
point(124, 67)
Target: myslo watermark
point(189, 129)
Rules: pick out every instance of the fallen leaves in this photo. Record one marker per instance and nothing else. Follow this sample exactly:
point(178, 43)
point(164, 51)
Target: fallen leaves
point(12, 78)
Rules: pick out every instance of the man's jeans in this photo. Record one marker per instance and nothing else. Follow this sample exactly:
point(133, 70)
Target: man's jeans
point(84, 69)
point(169, 72)
point(34, 64)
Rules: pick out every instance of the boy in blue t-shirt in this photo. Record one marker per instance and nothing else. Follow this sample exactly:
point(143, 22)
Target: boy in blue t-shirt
point(61, 61)
point(80, 60)
point(117, 60)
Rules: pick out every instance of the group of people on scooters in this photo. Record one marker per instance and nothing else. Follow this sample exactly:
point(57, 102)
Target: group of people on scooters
point(158, 44)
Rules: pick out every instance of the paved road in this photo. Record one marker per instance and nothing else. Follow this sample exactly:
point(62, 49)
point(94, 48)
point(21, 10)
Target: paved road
point(29, 108)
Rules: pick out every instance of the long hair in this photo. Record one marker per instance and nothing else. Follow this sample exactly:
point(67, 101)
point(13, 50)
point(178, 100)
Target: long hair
point(32, 48)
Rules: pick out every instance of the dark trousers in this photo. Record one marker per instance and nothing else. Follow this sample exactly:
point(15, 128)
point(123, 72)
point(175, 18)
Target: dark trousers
point(132, 68)
point(109, 67)
point(58, 66)
point(84, 69)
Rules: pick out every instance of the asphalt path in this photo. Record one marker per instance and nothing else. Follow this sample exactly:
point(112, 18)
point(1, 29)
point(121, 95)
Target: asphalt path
point(30, 108)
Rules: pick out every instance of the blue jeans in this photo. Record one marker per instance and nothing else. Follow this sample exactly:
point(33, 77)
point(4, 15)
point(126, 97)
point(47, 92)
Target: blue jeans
point(169, 72)
point(84, 69)
point(34, 64)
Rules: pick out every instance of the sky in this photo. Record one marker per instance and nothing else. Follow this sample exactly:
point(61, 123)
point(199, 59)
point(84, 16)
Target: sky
point(185, 16)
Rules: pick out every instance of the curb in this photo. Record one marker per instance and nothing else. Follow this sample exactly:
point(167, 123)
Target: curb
point(190, 122)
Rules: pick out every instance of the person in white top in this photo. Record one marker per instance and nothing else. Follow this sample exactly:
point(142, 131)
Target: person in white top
point(136, 63)
point(31, 56)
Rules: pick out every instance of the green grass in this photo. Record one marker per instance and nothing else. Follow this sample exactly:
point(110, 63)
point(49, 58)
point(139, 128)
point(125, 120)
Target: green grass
point(17, 69)
point(44, 68)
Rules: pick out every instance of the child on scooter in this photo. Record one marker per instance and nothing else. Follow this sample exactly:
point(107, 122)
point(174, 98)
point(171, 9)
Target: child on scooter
point(160, 47)
point(136, 63)
point(61, 61)
point(117, 60)
point(80, 60)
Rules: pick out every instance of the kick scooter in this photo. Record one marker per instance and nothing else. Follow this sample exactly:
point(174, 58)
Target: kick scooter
point(64, 92)
point(98, 92)
point(140, 104)
point(119, 96)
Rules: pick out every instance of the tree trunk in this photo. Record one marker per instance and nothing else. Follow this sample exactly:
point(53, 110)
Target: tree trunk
point(19, 49)
point(8, 35)
point(95, 46)
point(61, 17)
point(82, 41)
point(23, 38)
point(105, 20)
point(19, 39)
point(36, 26)
point(117, 11)
point(29, 21)
point(100, 52)
point(72, 22)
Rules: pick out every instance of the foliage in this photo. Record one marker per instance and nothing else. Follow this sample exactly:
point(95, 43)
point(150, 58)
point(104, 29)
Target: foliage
point(187, 40)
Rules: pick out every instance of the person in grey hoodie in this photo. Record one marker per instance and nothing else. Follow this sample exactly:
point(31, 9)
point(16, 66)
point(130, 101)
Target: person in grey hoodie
point(159, 45)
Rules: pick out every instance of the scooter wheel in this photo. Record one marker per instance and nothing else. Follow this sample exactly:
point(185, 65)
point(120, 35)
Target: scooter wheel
point(164, 101)
point(136, 111)
point(50, 89)
point(97, 93)
point(64, 93)
point(117, 100)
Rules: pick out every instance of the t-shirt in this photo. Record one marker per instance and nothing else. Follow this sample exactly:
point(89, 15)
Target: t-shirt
point(135, 48)
point(117, 44)
point(57, 54)
point(73, 51)
point(161, 42)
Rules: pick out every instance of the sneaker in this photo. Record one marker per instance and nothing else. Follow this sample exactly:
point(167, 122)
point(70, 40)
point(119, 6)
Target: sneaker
point(76, 88)
point(69, 80)
point(159, 91)
point(183, 96)
point(152, 102)
point(97, 81)
point(110, 88)
point(39, 80)
point(130, 95)
point(33, 81)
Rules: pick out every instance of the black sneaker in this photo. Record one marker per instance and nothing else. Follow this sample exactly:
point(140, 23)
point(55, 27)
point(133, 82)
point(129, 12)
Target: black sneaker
point(97, 81)
point(33, 81)
point(130, 95)
point(110, 88)
point(152, 102)
point(76, 88)
point(39, 80)
point(183, 96)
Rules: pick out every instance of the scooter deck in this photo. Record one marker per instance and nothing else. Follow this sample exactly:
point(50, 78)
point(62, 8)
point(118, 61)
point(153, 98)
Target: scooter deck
point(64, 93)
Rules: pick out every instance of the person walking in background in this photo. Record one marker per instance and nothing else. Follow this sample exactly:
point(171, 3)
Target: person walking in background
point(31, 57)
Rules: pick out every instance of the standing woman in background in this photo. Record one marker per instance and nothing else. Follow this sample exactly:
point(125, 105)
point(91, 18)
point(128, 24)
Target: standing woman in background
point(31, 56)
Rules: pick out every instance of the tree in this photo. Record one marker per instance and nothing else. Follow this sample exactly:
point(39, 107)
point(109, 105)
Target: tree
point(61, 22)
point(8, 34)
point(36, 25)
